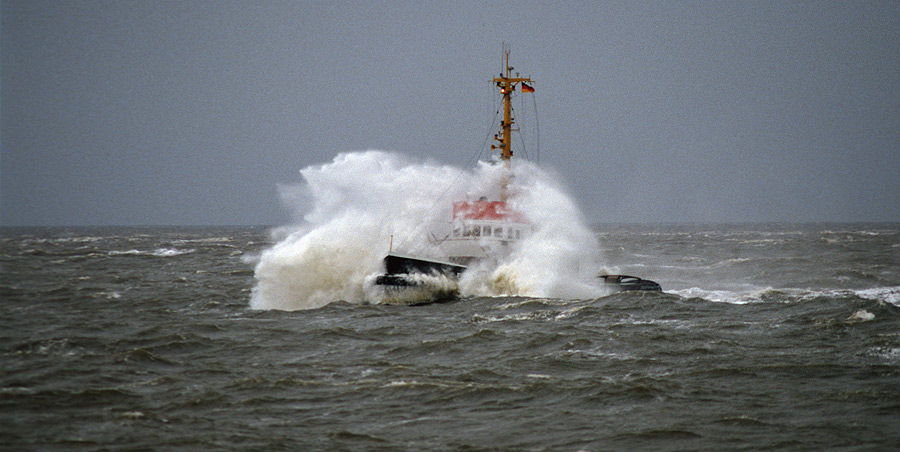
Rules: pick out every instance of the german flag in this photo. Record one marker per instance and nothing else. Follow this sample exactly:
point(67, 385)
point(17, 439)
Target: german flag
point(527, 88)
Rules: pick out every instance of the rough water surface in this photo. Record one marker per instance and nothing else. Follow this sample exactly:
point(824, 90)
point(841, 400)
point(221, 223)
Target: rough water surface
point(767, 337)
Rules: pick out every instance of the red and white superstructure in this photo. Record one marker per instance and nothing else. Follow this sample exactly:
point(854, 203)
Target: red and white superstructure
point(482, 230)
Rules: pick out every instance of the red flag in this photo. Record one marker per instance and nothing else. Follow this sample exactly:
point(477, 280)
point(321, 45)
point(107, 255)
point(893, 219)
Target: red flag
point(526, 88)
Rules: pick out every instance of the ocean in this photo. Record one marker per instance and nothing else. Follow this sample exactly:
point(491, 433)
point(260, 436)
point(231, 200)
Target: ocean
point(765, 337)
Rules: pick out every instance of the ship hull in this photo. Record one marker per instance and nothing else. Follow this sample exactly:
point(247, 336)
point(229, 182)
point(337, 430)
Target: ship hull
point(396, 264)
point(411, 281)
point(405, 273)
point(624, 283)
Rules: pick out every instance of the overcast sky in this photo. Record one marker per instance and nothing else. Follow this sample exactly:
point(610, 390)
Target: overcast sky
point(193, 112)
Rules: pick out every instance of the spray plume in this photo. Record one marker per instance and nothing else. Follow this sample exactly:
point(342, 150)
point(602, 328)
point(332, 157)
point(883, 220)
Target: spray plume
point(349, 209)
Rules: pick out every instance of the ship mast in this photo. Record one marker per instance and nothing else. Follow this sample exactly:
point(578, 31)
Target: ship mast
point(507, 85)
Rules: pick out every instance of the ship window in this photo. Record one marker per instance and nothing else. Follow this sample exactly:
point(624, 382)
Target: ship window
point(455, 232)
point(476, 231)
point(487, 231)
point(498, 232)
point(509, 233)
point(518, 234)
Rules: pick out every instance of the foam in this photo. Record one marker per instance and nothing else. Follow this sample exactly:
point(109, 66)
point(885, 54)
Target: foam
point(885, 294)
point(882, 294)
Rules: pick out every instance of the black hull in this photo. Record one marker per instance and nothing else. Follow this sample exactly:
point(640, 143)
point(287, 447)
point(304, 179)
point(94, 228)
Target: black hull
point(402, 280)
point(403, 271)
point(624, 283)
point(395, 264)
point(412, 281)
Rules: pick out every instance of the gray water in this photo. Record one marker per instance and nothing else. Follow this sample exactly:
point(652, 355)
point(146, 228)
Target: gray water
point(767, 337)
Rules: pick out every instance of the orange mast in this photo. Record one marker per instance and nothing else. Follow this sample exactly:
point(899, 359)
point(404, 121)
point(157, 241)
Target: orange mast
point(507, 85)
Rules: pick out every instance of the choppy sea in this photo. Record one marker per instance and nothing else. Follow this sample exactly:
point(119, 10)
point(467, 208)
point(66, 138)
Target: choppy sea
point(766, 337)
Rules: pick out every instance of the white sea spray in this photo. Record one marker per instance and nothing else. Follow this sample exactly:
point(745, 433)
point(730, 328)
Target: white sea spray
point(350, 212)
point(561, 257)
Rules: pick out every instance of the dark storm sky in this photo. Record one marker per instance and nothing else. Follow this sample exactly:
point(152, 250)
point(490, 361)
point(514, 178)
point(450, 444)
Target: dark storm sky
point(140, 112)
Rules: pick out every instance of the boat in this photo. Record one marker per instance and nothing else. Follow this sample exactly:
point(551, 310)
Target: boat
point(483, 229)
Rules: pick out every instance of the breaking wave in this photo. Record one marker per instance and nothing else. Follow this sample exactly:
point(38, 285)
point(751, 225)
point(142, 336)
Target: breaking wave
point(350, 212)
point(890, 295)
point(159, 252)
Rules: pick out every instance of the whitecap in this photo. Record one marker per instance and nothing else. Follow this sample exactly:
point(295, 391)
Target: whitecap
point(861, 316)
point(129, 252)
point(169, 252)
point(885, 294)
point(159, 252)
